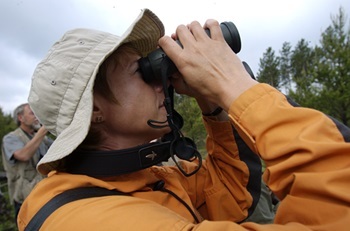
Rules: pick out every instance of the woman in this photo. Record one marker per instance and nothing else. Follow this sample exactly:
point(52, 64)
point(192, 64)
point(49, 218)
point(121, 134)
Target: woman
point(90, 93)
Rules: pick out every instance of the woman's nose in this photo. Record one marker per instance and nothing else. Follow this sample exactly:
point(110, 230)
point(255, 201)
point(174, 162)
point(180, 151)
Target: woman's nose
point(158, 85)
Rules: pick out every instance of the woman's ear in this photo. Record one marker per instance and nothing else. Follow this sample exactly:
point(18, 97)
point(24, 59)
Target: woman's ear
point(97, 113)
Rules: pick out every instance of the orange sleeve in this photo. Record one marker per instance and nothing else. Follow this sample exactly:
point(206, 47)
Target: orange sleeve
point(306, 155)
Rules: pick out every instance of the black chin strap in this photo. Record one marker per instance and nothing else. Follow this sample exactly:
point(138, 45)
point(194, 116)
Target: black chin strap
point(182, 147)
point(117, 162)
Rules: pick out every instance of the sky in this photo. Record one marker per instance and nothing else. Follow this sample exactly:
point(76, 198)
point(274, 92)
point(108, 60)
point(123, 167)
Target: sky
point(28, 28)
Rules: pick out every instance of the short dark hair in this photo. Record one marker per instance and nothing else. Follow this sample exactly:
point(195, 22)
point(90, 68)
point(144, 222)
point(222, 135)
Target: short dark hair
point(101, 85)
point(102, 88)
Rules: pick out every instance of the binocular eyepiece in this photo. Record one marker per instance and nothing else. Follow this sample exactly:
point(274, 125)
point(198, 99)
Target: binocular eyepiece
point(151, 65)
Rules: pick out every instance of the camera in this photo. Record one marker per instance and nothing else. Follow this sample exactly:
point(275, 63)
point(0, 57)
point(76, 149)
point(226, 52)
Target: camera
point(151, 65)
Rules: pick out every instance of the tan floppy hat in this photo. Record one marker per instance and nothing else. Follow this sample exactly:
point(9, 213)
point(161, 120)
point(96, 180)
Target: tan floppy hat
point(61, 93)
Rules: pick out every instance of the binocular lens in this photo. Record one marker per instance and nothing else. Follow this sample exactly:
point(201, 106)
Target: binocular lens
point(151, 65)
point(231, 36)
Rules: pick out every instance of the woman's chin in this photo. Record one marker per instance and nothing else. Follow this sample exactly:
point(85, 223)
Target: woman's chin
point(160, 132)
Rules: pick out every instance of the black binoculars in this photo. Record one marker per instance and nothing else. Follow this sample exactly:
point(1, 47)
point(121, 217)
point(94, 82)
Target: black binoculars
point(151, 65)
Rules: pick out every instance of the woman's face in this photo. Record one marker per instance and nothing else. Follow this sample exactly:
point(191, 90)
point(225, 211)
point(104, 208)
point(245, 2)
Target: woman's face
point(125, 122)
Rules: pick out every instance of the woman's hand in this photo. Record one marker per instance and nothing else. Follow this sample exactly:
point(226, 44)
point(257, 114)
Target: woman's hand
point(209, 69)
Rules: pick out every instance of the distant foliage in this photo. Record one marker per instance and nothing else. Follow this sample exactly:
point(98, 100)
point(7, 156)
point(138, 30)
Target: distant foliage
point(193, 124)
point(316, 77)
point(6, 125)
point(7, 220)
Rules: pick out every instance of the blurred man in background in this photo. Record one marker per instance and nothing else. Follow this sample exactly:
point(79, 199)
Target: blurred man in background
point(21, 151)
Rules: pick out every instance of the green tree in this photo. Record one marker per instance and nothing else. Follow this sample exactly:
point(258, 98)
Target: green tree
point(6, 209)
point(285, 66)
point(6, 125)
point(302, 64)
point(316, 77)
point(332, 72)
point(193, 124)
point(268, 69)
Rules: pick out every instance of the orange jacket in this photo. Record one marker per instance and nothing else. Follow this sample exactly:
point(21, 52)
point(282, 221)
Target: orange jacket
point(307, 162)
